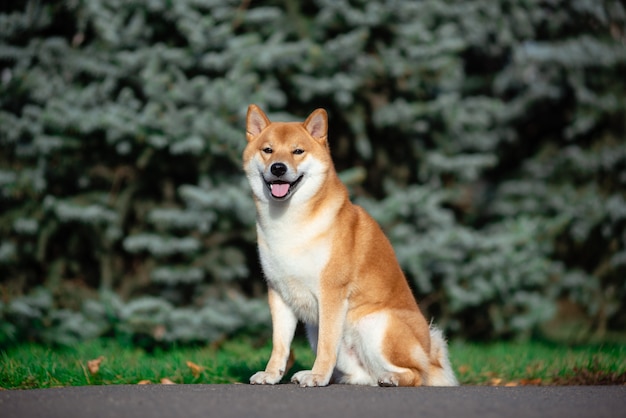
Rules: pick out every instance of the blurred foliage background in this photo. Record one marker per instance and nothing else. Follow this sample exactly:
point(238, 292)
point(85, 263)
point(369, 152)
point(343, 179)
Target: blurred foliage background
point(487, 137)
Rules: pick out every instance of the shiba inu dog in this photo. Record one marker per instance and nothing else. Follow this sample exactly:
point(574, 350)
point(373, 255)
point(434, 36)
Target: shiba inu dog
point(328, 263)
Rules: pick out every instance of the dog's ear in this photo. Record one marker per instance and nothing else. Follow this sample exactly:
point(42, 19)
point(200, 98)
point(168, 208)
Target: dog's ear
point(317, 124)
point(256, 121)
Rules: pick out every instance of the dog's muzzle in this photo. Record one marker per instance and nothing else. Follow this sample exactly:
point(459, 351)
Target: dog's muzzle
point(281, 189)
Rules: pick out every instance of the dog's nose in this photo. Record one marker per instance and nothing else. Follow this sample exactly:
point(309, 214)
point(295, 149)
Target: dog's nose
point(278, 169)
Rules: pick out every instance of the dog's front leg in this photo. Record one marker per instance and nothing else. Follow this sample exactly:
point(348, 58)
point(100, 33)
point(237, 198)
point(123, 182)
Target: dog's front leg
point(284, 324)
point(333, 307)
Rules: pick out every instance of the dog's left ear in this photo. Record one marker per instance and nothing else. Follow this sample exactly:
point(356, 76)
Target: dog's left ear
point(317, 124)
point(256, 121)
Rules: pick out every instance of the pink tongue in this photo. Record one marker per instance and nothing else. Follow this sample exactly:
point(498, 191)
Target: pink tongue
point(280, 189)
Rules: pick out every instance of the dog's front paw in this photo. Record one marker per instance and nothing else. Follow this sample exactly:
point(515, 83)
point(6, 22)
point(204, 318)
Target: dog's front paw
point(306, 378)
point(265, 378)
point(388, 380)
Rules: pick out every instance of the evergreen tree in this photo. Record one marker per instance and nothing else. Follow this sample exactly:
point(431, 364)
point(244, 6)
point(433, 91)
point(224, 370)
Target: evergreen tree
point(486, 137)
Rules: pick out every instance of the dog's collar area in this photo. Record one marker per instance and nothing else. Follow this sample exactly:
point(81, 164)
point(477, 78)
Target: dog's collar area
point(280, 189)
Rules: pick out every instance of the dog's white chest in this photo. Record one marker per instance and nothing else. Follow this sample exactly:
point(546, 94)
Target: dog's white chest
point(293, 261)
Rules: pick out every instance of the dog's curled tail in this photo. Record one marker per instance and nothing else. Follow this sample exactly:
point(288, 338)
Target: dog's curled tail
point(440, 373)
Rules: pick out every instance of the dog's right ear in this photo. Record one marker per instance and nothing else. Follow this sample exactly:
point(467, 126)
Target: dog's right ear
point(256, 121)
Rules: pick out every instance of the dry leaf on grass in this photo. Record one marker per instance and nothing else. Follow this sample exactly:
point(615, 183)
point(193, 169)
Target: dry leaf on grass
point(144, 382)
point(195, 369)
point(531, 382)
point(463, 369)
point(497, 381)
point(94, 365)
point(166, 381)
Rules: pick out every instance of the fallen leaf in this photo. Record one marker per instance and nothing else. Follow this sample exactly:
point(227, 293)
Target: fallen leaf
point(144, 382)
point(531, 382)
point(195, 369)
point(166, 381)
point(464, 369)
point(495, 381)
point(511, 384)
point(94, 365)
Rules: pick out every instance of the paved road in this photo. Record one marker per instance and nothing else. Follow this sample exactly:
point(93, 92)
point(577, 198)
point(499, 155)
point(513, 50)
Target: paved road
point(189, 401)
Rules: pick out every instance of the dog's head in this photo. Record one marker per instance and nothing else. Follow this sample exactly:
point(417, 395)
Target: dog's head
point(286, 160)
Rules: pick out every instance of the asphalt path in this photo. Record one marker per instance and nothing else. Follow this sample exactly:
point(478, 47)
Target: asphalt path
point(188, 401)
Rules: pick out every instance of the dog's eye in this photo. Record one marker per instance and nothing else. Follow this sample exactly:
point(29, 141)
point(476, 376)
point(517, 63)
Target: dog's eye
point(267, 150)
point(298, 151)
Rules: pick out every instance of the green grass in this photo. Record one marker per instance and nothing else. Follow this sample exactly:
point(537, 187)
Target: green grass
point(538, 363)
point(35, 366)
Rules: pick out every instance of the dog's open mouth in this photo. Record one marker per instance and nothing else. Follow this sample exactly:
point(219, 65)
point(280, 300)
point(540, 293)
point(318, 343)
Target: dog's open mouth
point(280, 189)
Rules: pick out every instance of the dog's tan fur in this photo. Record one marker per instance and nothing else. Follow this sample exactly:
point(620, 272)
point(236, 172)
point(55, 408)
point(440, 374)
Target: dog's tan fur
point(328, 264)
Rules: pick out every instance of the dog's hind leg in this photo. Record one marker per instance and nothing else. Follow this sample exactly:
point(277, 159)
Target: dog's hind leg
point(392, 348)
